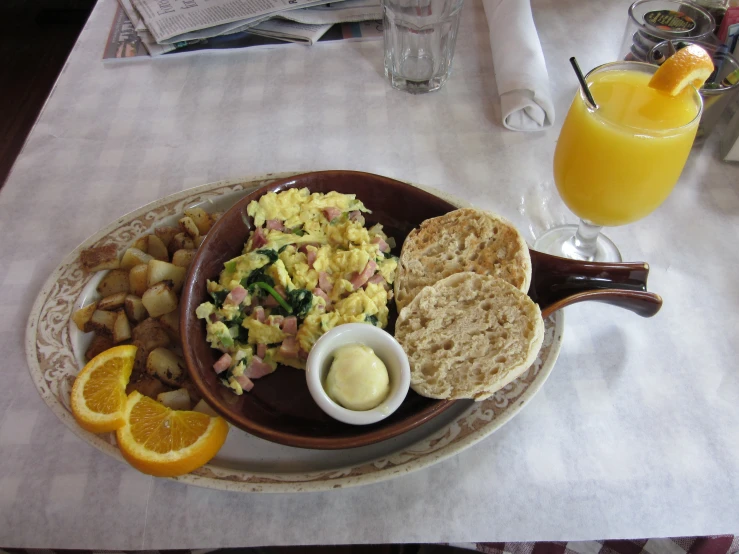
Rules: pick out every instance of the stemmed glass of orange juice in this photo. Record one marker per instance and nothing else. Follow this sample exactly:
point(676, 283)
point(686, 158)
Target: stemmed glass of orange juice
point(616, 162)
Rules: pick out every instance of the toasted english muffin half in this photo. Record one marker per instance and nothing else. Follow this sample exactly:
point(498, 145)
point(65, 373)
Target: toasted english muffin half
point(463, 240)
point(468, 336)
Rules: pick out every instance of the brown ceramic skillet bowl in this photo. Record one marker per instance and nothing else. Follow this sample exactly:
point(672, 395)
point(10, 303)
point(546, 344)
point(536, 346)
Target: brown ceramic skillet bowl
point(280, 408)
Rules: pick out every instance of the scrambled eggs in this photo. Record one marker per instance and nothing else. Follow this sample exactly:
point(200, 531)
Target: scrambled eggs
point(309, 265)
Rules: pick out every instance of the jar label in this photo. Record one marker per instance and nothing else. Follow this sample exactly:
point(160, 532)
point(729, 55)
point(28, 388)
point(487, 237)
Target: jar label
point(671, 21)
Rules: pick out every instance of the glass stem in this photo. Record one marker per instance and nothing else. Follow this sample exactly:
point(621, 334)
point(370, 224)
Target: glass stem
point(584, 244)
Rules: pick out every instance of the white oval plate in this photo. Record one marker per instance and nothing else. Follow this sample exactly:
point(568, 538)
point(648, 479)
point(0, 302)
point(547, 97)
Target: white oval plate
point(54, 350)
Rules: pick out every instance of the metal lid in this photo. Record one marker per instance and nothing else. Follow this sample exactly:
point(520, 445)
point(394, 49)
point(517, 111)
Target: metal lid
point(670, 19)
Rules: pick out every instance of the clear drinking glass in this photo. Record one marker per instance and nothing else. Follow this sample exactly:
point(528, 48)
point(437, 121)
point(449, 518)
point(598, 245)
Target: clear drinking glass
point(616, 164)
point(652, 21)
point(419, 42)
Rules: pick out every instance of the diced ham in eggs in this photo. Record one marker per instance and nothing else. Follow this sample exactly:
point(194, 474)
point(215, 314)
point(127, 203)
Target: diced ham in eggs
point(290, 325)
point(275, 224)
point(259, 314)
point(223, 363)
point(245, 383)
point(289, 347)
point(324, 282)
point(257, 368)
point(236, 296)
point(331, 213)
point(361, 278)
point(380, 242)
point(258, 239)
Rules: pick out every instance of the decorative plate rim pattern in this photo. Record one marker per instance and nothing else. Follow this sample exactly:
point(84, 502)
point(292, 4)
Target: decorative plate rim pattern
point(53, 365)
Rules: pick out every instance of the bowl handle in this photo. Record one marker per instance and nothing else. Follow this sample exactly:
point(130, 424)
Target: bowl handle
point(559, 282)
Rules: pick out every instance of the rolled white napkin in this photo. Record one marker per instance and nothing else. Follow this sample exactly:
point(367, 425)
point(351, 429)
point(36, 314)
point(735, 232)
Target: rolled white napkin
point(520, 70)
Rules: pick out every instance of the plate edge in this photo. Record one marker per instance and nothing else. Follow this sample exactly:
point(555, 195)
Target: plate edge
point(271, 487)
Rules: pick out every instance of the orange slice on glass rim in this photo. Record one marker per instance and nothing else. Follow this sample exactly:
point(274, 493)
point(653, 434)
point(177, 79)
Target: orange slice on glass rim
point(691, 65)
point(160, 441)
point(99, 391)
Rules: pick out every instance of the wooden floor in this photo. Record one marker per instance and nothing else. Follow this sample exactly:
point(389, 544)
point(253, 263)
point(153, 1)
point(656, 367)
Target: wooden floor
point(36, 39)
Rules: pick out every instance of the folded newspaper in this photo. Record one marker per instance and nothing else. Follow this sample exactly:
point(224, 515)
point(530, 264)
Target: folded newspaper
point(346, 11)
point(129, 39)
point(171, 22)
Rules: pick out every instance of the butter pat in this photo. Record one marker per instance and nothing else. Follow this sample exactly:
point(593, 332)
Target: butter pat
point(358, 379)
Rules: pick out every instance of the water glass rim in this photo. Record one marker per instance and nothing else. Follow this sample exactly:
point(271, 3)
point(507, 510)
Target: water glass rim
point(610, 66)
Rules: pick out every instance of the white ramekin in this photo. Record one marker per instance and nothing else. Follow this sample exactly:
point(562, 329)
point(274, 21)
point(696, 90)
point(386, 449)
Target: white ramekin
point(384, 346)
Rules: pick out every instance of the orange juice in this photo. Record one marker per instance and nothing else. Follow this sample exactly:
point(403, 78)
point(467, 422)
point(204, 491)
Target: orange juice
point(616, 164)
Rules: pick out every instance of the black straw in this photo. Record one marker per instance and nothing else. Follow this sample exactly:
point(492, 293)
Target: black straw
point(583, 84)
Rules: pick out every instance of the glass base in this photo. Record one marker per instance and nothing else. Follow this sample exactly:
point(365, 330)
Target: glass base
point(558, 242)
point(416, 86)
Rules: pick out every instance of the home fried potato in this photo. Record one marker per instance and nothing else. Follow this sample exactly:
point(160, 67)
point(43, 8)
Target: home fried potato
point(102, 322)
point(82, 317)
point(133, 257)
point(171, 323)
point(121, 328)
point(168, 367)
point(178, 399)
point(100, 258)
point(157, 248)
point(147, 385)
point(135, 309)
point(113, 302)
point(201, 218)
point(183, 258)
point(115, 281)
point(138, 305)
point(149, 334)
point(164, 271)
point(166, 234)
point(138, 279)
point(189, 227)
point(141, 243)
point(100, 343)
point(203, 407)
point(181, 241)
point(192, 389)
point(160, 299)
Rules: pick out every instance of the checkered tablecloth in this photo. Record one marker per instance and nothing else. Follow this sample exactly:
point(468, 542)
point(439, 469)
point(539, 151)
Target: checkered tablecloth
point(634, 434)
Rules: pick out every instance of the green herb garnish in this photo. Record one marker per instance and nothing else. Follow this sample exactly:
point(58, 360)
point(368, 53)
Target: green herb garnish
point(301, 301)
point(258, 275)
point(271, 254)
point(276, 295)
point(243, 336)
point(218, 297)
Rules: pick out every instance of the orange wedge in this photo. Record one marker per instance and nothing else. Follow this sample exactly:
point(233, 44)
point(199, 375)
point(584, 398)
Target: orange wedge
point(160, 441)
point(99, 391)
point(688, 66)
